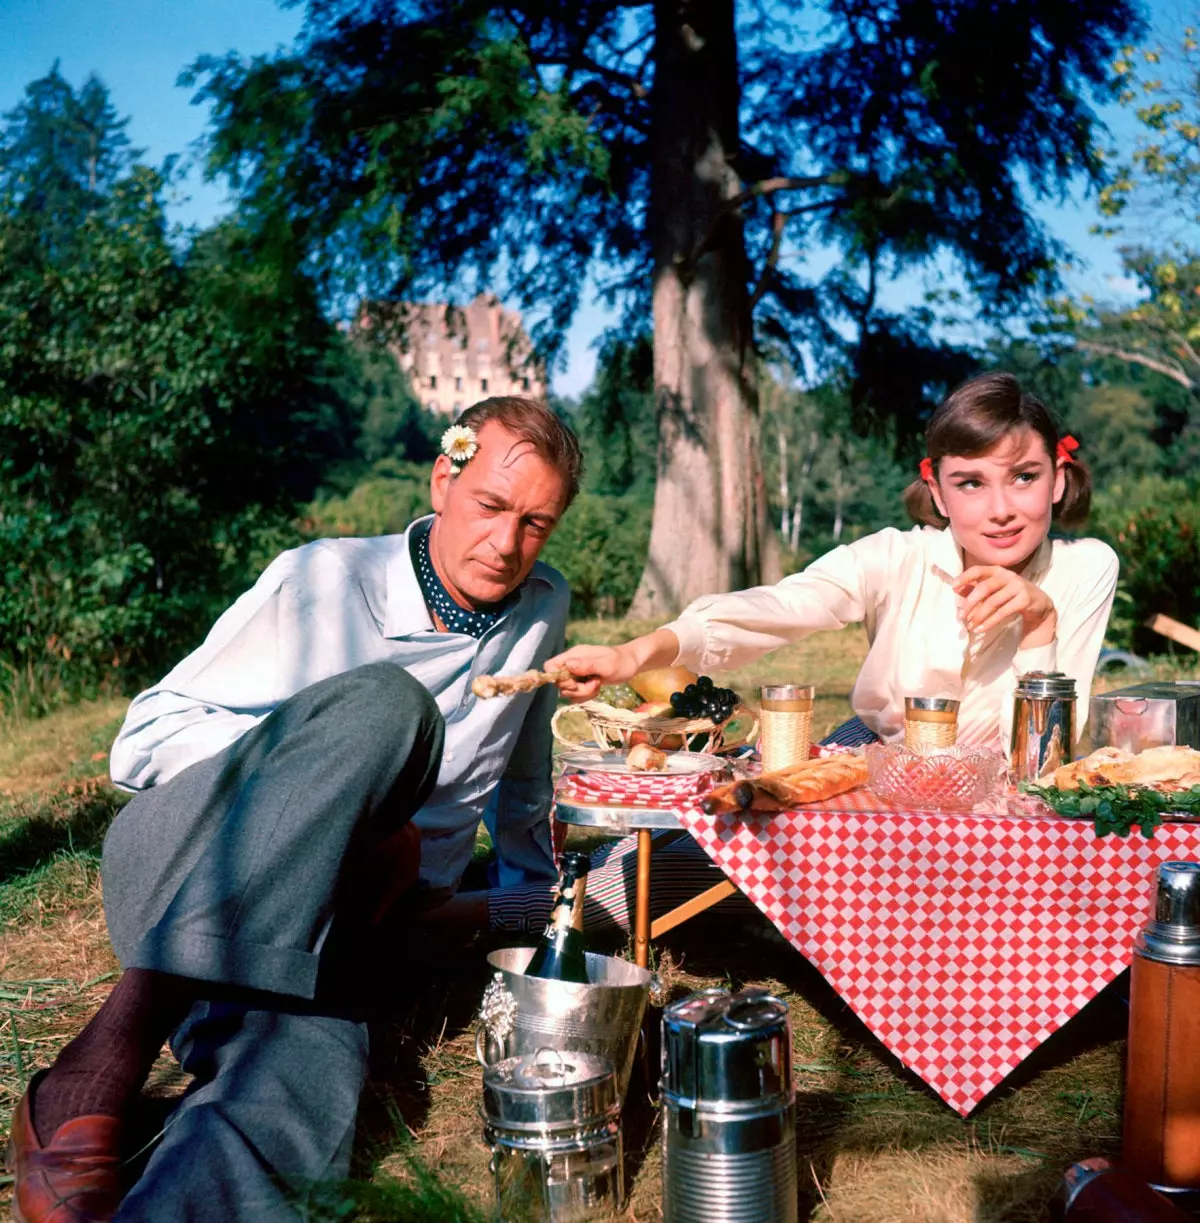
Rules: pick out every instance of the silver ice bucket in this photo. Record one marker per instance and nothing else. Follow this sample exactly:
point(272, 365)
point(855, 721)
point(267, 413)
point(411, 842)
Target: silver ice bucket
point(521, 1014)
point(729, 1110)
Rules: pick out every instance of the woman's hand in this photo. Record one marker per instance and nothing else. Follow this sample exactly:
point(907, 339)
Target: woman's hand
point(595, 665)
point(591, 666)
point(993, 595)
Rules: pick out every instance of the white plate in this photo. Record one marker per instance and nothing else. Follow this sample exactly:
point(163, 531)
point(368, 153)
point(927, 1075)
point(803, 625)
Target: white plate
point(679, 764)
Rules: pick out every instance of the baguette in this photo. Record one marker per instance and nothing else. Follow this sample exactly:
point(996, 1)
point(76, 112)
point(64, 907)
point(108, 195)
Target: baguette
point(810, 782)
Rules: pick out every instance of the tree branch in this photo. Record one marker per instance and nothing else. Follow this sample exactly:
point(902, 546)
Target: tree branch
point(1137, 358)
point(766, 186)
point(778, 224)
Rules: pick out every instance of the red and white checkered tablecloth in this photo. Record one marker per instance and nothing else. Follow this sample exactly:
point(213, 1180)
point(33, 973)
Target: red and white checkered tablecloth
point(962, 942)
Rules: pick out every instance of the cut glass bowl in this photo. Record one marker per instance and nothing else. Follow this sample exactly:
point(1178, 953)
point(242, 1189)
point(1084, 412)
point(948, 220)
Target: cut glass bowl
point(937, 779)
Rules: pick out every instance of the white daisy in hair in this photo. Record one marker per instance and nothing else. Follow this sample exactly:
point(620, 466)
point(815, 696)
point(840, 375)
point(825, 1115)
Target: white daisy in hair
point(459, 444)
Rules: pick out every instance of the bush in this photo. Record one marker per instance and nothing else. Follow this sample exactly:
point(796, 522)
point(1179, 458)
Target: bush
point(1154, 524)
point(600, 548)
point(384, 502)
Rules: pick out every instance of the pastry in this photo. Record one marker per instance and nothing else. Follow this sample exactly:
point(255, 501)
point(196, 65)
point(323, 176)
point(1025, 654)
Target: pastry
point(1167, 768)
point(486, 686)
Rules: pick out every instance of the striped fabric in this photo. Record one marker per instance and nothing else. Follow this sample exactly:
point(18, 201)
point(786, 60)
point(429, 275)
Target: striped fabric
point(679, 870)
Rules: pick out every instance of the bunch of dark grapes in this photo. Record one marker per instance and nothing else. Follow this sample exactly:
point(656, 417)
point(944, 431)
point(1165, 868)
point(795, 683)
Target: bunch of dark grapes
point(704, 699)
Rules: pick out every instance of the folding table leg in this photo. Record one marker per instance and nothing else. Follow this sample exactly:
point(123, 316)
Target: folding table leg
point(697, 904)
point(641, 919)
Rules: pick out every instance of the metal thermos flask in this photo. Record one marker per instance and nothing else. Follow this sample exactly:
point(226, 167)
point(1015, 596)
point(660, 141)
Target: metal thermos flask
point(1043, 730)
point(729, 1110)
point(1161, 1134)
point(1094, 1191)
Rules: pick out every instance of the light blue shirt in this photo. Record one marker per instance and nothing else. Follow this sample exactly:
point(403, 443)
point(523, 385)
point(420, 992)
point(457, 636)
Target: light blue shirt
point(330, 606)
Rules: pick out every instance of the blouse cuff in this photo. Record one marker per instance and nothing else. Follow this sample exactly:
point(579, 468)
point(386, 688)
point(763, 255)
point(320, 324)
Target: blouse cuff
point(691, 643)
point(1037, 658)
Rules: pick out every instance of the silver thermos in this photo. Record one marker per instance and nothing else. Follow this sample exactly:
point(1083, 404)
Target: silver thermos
point(729, 1110)
point(1043, 730)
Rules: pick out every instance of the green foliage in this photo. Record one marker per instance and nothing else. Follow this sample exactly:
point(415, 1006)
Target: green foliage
point(1161, 85)
point(600, 548)
point(1119, 809)
point(1154, 524)
point(616, 420)
point(424, 149)
point(61, 152)
point(1118, 424)
point(161, 410)
point(383, 502)
point(827, 485)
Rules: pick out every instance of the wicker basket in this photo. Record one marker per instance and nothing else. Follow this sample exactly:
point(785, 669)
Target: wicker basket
point(613, 729)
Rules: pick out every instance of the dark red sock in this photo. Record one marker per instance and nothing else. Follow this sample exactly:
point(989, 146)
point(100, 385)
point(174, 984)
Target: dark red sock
point(105, 1066)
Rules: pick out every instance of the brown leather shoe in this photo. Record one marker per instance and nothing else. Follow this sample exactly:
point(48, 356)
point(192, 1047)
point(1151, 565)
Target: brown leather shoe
point(74, 1178)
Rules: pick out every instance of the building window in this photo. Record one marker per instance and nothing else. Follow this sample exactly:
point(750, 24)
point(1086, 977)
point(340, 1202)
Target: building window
point(458, 384)
point(483, 385)
point(524, 384)
point(432, 405)
point(433, 382)
point(458, 410)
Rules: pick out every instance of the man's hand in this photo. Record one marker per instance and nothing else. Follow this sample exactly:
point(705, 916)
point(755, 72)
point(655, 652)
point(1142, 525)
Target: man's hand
point(993, 595)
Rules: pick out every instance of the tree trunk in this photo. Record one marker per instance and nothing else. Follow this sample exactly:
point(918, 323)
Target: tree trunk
point(781, 434)
point(839, 490)
point(711, 529)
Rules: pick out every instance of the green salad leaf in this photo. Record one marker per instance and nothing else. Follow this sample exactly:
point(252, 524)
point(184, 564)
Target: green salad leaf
point(1118, 809)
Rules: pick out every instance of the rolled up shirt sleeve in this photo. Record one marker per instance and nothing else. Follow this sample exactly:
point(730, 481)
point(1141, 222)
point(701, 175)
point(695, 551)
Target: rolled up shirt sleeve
point(840, 588)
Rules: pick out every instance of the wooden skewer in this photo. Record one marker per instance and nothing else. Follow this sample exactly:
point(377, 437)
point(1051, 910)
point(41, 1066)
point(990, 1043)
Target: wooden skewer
point(487, 686)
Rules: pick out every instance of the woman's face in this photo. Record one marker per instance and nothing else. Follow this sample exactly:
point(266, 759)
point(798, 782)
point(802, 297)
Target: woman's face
point(999, 503)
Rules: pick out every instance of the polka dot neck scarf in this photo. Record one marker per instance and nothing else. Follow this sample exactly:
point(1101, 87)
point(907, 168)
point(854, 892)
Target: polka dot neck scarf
point(474, 622)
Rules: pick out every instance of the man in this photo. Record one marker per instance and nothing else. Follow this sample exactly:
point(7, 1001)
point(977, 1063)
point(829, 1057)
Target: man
point(280, 772)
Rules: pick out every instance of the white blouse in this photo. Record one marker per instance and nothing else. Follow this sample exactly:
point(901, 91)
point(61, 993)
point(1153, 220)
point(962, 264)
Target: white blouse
point(899, 584)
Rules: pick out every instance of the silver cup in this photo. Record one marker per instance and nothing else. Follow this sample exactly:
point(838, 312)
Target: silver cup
point(1043, 731)
point(1172, 935)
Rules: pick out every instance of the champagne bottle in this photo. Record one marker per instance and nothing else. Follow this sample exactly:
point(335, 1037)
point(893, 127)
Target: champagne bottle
point(559, 955)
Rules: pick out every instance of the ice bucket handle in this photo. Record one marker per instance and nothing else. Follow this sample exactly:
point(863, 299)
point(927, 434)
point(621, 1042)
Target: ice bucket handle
point(1132, 705)
point(497, 1016)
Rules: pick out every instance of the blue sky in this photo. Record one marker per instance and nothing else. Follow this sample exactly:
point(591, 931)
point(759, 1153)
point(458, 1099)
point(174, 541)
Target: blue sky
point(138, 48)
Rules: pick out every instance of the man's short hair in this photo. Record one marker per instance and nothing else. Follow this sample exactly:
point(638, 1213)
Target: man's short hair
point(534, 423)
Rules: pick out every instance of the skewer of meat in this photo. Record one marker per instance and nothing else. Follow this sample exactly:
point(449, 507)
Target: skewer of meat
point(487, 686)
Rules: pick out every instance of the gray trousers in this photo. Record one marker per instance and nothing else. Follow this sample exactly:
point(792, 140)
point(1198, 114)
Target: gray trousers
point(240, 871)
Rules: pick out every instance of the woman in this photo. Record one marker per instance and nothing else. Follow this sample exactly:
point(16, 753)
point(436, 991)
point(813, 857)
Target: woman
point(959, 606)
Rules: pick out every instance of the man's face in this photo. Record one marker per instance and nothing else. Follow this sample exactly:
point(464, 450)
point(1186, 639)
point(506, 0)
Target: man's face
point(493, 517)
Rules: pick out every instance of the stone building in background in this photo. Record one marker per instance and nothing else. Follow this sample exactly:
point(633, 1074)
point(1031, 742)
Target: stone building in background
point(456, 356)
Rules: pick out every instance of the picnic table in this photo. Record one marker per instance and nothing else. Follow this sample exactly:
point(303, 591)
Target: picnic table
point(962, 941)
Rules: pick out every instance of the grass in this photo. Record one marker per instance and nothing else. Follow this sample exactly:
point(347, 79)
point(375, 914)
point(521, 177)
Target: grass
point(874, 1144)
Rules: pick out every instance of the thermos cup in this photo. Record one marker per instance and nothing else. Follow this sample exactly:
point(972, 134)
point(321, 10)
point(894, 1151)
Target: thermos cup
point(1161, 1130)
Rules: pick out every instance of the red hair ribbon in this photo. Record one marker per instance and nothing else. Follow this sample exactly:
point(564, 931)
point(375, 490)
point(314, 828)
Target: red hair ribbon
point(927, 469)
point(1066, 449)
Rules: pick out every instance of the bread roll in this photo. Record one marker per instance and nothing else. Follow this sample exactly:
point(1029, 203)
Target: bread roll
point(643, 758)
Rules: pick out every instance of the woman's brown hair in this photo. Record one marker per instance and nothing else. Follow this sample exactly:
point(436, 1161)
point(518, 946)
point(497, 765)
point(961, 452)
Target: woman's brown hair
point(971, 420)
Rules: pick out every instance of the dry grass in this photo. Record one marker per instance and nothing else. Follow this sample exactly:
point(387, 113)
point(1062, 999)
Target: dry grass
point(874, 1144)
point(37, 756)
